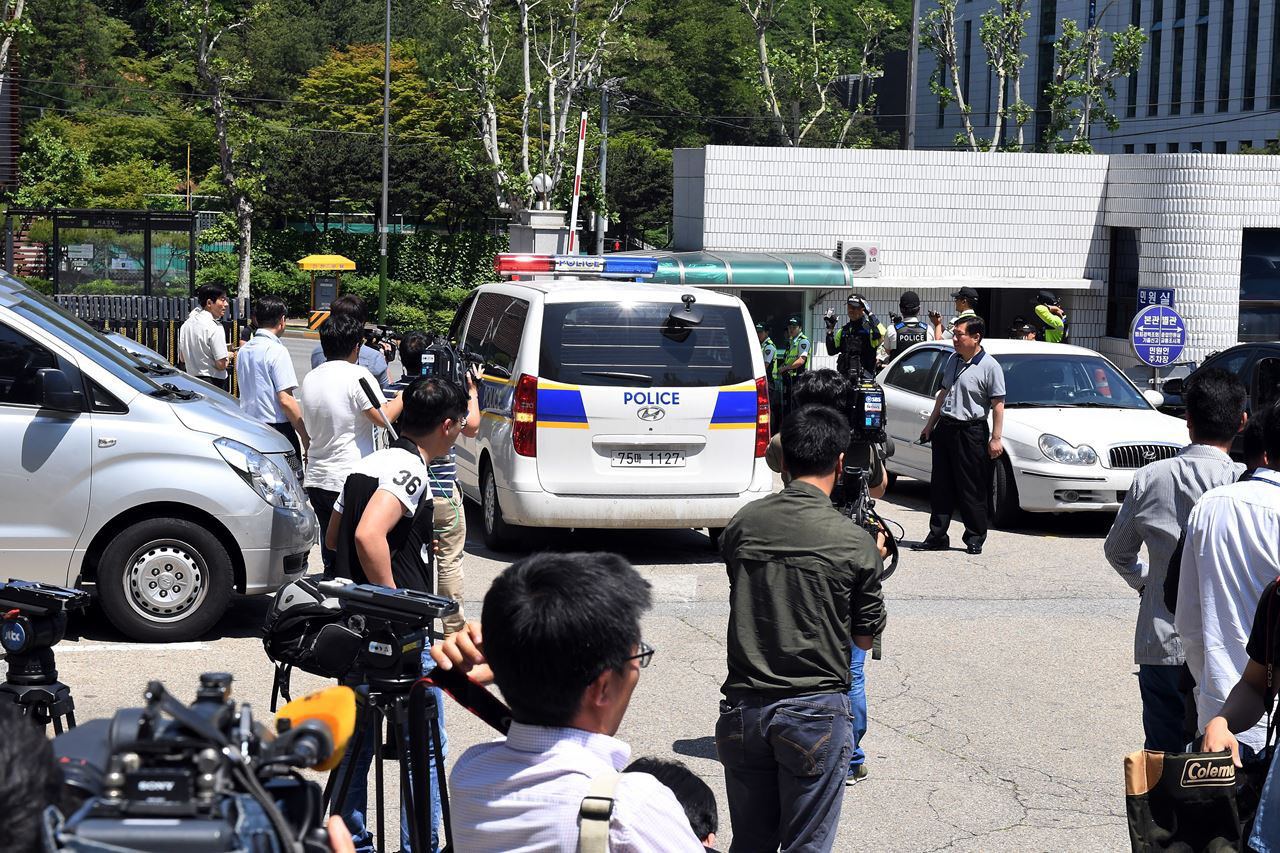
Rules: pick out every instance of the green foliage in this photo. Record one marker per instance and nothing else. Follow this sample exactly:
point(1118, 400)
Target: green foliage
point(55, 171)
point(1083, 85)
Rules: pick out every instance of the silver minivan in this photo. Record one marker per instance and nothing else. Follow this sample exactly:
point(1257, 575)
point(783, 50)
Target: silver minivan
point(118, 474)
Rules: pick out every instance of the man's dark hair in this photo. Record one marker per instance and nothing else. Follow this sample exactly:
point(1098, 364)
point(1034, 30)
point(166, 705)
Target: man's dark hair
point(350, 305)
point(693, 794)
point(553, 623)
point(1271, 436)
point(812, 440)
point(428, 402)
point(339, 335)
point(1215, 402)
point(29, 780)
point(974, 327)
point(412, 345)
point(824, 387)
point(1251, 441)
point(268, 311)
point(209, 293)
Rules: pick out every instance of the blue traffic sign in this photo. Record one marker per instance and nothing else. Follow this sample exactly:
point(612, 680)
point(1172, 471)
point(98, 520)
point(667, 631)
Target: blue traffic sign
point(1155, 296)
point(1158, 335)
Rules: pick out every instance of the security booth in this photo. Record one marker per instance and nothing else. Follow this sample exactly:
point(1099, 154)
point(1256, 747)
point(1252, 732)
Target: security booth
point(326, 278)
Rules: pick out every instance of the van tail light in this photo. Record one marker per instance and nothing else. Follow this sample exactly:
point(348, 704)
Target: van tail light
point(762, 416)
point(524, 411)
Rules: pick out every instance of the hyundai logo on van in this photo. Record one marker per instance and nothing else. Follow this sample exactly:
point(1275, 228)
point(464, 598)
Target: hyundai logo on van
point(651, 413)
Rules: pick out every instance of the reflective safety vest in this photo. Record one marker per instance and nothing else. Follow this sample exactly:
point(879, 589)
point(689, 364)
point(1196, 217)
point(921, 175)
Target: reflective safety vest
point(797, 347)
point(1055, 327)
point(770, 353)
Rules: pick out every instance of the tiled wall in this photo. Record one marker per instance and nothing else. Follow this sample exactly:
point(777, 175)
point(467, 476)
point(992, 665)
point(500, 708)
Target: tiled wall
point(950, 216)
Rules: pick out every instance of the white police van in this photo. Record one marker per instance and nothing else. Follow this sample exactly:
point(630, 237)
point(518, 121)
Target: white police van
point(610, 403)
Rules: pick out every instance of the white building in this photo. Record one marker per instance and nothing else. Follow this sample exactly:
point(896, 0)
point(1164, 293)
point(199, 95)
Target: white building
point(1209, 79)
point(1094, 228)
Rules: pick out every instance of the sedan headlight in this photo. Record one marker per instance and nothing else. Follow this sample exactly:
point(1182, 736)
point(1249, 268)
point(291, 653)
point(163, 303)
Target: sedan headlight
point(1062, 451)
point(273, 482)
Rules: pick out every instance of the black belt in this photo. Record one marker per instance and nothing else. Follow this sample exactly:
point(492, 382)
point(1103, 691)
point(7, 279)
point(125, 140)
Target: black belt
point(947, 419)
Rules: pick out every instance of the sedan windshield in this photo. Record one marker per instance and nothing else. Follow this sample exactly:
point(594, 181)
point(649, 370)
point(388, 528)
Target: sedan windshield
point(1067, 380)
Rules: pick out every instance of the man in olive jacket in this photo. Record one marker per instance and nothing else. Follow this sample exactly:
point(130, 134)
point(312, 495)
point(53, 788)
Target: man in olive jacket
point(804, 586)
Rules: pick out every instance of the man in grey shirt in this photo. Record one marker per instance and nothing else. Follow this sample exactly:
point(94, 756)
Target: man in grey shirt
point(1154, 513)
point(370, 359)
point(963, 445)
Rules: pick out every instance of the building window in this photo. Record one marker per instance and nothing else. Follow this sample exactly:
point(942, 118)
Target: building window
point(1128, 149)
point(1179, 42)
point(968, 55)
point(1220, 147)
point(1153, 82)
point(1260, 284)
point(1224, 57)
point(1202, 55)
point(1044, 63)
point(1275, 60)
point(1245, 144)
point(991, 93)
point(1250, 57)
point(1197, 147)
point(942, 110)
point(1131, 107)
point(1149, 148)
point(1171, 147)
point(1122, 282)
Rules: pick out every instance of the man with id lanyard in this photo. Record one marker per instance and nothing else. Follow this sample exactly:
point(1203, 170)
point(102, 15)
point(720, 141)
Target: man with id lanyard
point(963, 446)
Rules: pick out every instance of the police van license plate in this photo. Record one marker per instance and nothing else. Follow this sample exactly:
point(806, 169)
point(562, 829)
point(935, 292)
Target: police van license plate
point(648, 459)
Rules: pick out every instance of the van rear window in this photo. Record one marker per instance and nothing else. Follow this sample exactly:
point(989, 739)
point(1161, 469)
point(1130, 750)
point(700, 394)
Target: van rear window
point(623, 343)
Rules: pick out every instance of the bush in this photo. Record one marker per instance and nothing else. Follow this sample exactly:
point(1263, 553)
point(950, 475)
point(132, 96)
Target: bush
point(40, 285)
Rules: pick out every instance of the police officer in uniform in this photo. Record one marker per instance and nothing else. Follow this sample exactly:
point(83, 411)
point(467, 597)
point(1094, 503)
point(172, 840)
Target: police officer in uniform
point(1051, 316)
point(770, 352)
point(908, 329)
point(966, 306)
point(857, 339)
point(793, 363)
point(1021, 330)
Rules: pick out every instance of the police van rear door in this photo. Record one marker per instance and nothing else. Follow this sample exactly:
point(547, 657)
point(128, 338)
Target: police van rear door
point(630, 402)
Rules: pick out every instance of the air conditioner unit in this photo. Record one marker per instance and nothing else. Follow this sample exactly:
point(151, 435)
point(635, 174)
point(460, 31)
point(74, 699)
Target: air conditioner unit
point(863, 259)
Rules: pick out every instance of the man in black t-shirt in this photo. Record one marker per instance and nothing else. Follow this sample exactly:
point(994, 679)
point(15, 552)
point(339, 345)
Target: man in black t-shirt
point(1251, 696)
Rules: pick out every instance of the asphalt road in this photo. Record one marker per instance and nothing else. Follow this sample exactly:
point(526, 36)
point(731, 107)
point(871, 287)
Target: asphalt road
point(999, 716)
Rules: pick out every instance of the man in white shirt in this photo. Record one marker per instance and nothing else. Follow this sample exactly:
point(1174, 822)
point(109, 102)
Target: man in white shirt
point(1232, 552)
point(560, 635)
point(202, 344)
point(266, 377)
point(339, 417)
point(373, 360)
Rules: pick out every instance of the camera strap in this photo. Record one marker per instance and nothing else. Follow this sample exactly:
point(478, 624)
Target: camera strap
point(595, 812)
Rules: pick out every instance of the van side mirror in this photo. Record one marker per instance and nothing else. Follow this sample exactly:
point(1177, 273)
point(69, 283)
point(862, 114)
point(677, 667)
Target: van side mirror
point(56, 391)
point(1173, 386)
point(1155, 398)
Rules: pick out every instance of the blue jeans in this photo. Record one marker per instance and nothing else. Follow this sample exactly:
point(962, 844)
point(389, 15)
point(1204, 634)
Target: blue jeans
point(1266, 824)
point(1163, 708)
point(857, 706)
point(355, 807)
point(784, 767)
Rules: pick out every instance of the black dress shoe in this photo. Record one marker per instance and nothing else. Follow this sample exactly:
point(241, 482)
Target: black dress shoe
point(973, 548)
point(931, 545)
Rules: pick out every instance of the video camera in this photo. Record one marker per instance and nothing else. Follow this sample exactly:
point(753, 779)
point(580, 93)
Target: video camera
point(867, 436)
point(359, 633)
point(200, 777)
point(445, 361)
point(375, 335)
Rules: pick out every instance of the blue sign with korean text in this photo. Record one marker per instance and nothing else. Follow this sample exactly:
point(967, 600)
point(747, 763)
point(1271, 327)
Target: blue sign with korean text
point(1155, 296)
point(1158, 335)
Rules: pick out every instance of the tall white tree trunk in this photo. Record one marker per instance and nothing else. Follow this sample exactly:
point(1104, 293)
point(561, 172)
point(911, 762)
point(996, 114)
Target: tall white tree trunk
point(13, 16)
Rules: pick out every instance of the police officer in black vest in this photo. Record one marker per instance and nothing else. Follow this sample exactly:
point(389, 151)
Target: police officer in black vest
point(908, 329)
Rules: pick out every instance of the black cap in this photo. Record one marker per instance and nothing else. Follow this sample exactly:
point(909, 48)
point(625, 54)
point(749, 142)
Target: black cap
point(857, 299)
point(1020, 326)
point(909, 302)
point(793, 320)
point(1047, 297)
point(968, 293)
point(761, 327)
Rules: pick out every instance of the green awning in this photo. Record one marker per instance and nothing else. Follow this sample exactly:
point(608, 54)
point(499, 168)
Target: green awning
point(750, 269)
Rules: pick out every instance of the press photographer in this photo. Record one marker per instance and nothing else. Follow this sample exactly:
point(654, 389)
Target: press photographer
point(382, 531)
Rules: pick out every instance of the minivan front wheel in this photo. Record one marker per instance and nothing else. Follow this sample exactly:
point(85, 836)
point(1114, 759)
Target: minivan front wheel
point(164, 579)
point(498, 535)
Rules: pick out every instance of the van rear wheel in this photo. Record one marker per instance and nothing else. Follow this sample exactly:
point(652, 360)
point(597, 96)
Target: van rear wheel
point(498, 535)
point(164, 579)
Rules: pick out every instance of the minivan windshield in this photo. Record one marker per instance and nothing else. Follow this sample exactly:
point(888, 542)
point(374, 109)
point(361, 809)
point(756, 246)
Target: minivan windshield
point(1066, 381)
point(80, 336)
point(632, 344)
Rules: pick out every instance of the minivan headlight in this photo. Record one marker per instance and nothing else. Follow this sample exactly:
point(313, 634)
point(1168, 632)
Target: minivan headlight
point(1066, 453)
point(271, 480)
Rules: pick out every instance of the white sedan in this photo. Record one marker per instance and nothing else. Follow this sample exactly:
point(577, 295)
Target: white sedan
point(1075, 427)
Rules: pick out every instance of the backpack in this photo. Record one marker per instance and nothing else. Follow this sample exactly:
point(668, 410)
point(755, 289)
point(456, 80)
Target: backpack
point(909, 333)
point(304, 628)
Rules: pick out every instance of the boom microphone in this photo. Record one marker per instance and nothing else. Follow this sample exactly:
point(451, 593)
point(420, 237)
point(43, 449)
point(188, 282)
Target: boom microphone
point(314, 729)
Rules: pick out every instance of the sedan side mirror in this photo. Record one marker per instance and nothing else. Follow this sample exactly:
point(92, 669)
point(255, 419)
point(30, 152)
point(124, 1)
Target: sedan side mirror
point(1155, 398)
point(1173, 386)
point(56, 392)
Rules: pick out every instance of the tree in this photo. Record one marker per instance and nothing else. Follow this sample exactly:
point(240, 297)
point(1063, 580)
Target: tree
point(202, 24)
point(11, 24)
point(55, 171)
point(640, 188)
point(1083, 84)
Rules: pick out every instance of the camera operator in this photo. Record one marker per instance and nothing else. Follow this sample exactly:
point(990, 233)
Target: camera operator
point(859, 338)
point(381, 533)
point(450, 517)
point(372, 360)
point(827, 388)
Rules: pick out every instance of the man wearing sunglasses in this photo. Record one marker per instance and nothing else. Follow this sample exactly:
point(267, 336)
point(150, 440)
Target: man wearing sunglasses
point(560, 636)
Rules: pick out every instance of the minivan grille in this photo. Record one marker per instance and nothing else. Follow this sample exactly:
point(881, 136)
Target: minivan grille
point(1137, 455)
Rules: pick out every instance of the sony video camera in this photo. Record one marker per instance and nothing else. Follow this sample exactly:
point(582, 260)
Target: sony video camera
point(200, 777)
point(445, 361)
point(375, 335)
point(358, 633)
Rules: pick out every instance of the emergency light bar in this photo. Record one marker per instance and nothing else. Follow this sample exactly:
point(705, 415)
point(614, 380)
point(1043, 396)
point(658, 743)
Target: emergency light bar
point(605, 266)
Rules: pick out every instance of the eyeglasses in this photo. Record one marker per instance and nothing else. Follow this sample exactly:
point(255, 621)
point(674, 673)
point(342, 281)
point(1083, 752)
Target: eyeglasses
point(645, 655)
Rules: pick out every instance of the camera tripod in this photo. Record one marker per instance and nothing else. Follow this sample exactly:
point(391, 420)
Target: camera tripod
point(32, 684)
point(409, 710)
